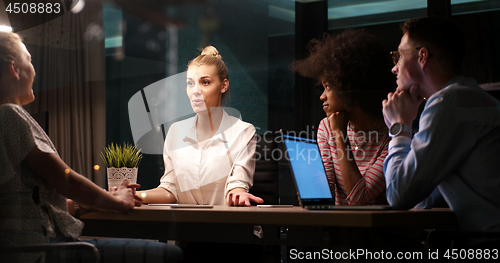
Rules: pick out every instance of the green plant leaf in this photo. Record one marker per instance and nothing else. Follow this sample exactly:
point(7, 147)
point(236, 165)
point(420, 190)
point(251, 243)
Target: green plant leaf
point(118, 156)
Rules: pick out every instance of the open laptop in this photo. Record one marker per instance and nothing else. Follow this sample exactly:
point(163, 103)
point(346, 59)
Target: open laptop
point(309, 175)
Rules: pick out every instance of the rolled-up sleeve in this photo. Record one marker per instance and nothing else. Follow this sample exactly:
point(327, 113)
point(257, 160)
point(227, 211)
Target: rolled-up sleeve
point(244, 165)
point(168, 180)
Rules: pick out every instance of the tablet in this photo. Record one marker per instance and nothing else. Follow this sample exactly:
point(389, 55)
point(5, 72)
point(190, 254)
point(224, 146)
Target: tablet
point(275, 206)
point(191, 206)
point(183, 205)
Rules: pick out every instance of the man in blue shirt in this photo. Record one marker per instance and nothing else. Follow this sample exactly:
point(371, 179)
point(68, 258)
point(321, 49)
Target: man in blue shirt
point(457, 148)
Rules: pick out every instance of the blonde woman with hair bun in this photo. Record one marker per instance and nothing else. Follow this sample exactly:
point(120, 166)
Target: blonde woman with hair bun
point(209, 157)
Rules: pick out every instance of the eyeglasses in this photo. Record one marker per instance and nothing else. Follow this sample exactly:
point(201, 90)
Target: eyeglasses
point(396, 55)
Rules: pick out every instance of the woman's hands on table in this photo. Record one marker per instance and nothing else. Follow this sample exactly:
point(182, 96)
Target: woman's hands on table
point(240, 197)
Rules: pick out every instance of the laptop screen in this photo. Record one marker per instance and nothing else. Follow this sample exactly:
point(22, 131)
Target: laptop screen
point(307, 167)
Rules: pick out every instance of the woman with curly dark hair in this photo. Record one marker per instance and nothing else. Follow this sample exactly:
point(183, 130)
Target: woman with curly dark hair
point(354, 69)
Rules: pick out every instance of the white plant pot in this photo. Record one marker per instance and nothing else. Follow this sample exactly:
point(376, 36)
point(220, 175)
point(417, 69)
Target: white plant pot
point(116, 175)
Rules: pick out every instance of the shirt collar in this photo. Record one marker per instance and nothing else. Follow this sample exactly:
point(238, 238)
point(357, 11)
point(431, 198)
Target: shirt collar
point(219, 134)
point(455, 79)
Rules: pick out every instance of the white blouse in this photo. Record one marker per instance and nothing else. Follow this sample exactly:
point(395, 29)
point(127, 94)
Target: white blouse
point(204, 173)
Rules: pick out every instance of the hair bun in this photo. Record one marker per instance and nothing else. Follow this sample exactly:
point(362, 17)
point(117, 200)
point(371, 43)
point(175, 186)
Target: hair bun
point(210, 51)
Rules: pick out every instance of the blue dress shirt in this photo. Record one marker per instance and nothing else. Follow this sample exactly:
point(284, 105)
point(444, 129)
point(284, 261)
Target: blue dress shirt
point(457, 150)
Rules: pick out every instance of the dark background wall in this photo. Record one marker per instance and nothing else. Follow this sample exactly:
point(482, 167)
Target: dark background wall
point(259, 49)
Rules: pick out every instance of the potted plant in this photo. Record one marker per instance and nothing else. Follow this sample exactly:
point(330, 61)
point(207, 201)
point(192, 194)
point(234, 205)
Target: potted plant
point(121, 163)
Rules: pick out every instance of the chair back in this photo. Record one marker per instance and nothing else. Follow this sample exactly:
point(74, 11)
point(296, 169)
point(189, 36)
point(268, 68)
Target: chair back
point(266, 177)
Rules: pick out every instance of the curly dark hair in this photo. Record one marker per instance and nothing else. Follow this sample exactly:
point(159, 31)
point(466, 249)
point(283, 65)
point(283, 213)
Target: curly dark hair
point(356, 66)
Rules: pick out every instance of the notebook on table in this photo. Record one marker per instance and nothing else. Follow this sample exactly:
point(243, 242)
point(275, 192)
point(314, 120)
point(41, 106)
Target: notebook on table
point(310, 179)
